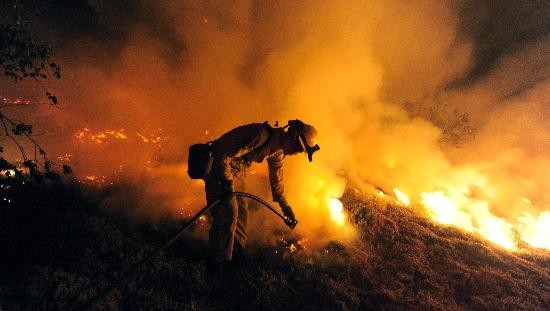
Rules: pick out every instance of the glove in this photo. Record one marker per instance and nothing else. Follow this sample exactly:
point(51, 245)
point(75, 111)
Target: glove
point(227, 190)
point(288, 213)
point(285, 207)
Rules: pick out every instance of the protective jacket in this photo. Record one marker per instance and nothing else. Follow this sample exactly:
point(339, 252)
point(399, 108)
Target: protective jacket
point(236, 149)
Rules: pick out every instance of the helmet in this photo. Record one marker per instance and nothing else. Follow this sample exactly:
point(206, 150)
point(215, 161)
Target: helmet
point(306, 136)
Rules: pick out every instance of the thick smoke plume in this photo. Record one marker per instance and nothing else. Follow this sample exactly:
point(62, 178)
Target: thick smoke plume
point(404, 95)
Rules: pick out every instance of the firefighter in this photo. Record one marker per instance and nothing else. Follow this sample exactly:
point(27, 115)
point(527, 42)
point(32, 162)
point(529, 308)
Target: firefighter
point(233, 153)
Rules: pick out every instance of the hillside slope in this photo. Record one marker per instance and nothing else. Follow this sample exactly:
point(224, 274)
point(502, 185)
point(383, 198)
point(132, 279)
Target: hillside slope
point(59, 248)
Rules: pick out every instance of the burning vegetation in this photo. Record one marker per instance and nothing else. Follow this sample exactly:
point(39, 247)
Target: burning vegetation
point(70, 247)
point(432, 189)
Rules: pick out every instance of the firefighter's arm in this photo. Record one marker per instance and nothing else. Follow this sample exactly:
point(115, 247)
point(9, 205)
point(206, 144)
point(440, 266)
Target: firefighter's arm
point(275, 164)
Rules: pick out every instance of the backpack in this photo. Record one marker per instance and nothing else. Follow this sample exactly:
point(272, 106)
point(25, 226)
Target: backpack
point(199, 161)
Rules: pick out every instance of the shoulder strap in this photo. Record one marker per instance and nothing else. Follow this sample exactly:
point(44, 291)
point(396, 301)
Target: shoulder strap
point(270, 131)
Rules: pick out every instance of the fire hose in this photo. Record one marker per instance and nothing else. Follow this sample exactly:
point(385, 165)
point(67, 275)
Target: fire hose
point(88, 304)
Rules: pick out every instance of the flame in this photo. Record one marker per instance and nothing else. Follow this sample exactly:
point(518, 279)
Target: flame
point(466, 204)
point(402, 197)
point(535, 230)
point(103, 136)
point(445, 211)
point(499, 231)
point(463, 212)
point(99, 137)
point(336, 211)
point(7, 172)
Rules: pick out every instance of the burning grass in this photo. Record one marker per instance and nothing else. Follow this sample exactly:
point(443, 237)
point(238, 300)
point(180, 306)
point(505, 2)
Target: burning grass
point(61, 247)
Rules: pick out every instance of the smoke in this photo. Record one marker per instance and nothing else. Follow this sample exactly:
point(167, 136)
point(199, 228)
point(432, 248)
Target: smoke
point(511, 144)
point(417, 96)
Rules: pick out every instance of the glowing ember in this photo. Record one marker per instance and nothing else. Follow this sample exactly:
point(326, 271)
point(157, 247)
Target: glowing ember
point(293, 246)
point(86, 135)
point(151, 138)
point(336, 211)
point(65, 158)
point(6, 101)
point(5, 193)
point(7, 172)
point(93, 179)
point(401, 197)
point(99, 137)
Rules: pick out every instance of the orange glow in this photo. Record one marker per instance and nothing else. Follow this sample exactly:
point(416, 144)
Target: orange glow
point(7, 172)
point(6, 101)
point(93, 179)
point(464, 212)
point(294, 246)
point(535, 230)
point(202, 219)
point(65, 158)
point(445, 211)
point(151, 138)
point(336, 211)
point(86, 135)
point(99, 137)
point(402, 197)
point(498, 230)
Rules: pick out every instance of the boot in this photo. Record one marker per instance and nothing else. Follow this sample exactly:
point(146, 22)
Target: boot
point(240, 257)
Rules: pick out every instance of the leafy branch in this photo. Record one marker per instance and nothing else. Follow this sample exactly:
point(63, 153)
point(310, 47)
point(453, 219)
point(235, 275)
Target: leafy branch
point(12, 129)
point(22, 57)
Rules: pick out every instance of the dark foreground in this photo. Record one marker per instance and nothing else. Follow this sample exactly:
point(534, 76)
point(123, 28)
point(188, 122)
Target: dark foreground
point(58, 249)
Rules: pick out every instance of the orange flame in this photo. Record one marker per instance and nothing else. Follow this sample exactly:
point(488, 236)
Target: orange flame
point(402, 197)
point(86, 135)
point(336, 211)
point(469, 214)
point(99, 137)
point(535, 230)
point(474, 215)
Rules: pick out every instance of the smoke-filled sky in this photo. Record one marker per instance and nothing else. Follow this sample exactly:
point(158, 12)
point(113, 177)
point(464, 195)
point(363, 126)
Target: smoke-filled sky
point(426, 96)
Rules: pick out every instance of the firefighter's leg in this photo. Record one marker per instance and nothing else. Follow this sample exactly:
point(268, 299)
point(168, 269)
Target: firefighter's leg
point(242, 219)
point(224, 223)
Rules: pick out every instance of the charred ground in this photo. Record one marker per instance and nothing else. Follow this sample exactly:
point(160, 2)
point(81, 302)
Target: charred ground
point(59, 247)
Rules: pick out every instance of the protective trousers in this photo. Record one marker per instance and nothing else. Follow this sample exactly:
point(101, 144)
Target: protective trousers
point(227, 237)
